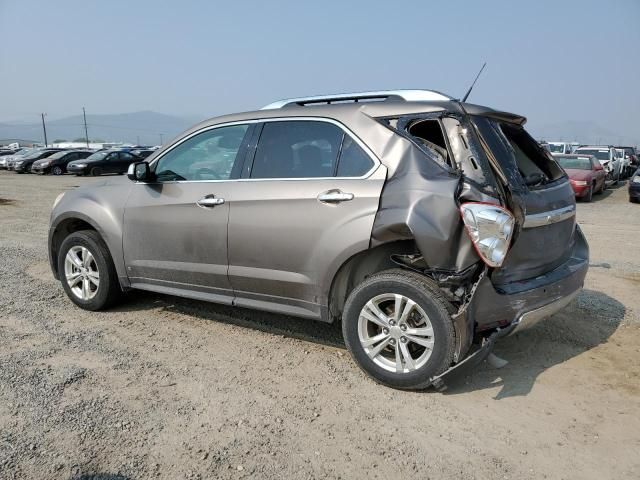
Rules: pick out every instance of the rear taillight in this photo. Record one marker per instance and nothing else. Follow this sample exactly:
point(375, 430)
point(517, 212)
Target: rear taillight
point(490, 228)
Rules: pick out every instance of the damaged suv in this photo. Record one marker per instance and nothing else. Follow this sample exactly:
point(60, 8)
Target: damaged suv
point(427, 226)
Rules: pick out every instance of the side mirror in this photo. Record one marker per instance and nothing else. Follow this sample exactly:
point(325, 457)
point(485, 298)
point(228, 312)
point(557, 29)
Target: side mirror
point(139, 172)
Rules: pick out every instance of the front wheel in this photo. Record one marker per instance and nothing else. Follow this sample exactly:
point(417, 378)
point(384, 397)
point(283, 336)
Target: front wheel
point(86, 271)
point(96, 171)
point(57, 170)
point(397, 326)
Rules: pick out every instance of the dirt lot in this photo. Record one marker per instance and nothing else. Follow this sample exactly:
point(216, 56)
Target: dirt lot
point(172, 388)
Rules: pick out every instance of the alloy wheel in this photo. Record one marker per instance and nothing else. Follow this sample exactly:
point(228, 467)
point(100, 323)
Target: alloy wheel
point(81, 273)
point(396, 333)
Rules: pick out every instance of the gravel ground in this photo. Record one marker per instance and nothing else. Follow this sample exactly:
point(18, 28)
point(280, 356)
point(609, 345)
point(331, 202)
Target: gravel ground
point(172, 388)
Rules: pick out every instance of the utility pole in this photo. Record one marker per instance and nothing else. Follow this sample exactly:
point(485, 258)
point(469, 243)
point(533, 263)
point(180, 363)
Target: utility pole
point(137, 139)
point(86, 134)
point(161, 135)
point(44, 129)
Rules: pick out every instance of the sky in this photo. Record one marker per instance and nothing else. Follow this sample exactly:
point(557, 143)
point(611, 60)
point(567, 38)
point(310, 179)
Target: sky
point(552, 61)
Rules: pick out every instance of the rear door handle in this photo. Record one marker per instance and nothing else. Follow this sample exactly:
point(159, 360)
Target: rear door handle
point(210, 201)
point(335, 196)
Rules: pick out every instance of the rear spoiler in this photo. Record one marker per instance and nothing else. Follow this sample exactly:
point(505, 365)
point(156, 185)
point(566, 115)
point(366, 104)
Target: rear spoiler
point(507, 117)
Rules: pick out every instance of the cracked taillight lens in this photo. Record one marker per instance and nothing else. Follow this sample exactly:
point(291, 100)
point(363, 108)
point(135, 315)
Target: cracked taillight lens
point(490, 228)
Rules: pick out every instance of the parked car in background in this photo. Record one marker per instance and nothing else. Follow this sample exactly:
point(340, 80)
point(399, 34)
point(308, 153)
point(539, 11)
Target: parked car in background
point(7, 159)
point(561, 147)
point(634, 187)
point(141, 153)
point(105, 161)
point(23, 164)
point(56, 164)
point(586, 174)
point(395, 216)
point(608, 157)
point(630, 160)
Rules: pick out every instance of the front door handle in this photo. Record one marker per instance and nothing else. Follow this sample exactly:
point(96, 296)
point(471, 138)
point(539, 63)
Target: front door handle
point(210, 201)
point(335, 196)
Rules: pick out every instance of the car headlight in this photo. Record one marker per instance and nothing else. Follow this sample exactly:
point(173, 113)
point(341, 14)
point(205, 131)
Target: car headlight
point(636, 179)
point(44, 164)
point(80, 165)
point(581, 183)
point(490, 228)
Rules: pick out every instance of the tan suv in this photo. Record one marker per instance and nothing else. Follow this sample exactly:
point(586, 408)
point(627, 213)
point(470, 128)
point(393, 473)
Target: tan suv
point(427, 226)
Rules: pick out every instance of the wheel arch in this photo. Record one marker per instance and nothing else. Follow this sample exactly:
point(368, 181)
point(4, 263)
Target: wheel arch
point(74, 221)
point(358, 267)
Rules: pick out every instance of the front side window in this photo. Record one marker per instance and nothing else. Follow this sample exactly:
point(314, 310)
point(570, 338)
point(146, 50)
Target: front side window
point(210, 155)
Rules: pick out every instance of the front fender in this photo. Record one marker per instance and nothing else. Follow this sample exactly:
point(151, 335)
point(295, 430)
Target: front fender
point(102, 207)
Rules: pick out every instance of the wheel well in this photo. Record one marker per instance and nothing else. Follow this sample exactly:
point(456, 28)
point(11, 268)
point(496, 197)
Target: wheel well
point(359, 267)
point(62, 231)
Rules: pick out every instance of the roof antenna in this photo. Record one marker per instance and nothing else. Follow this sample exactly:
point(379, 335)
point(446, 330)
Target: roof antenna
point(464, 99)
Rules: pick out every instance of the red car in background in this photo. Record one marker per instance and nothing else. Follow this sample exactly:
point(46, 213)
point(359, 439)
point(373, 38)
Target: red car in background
point(586, 174)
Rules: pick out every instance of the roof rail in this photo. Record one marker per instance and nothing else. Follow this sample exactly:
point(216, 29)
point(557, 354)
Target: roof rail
point(382, 95)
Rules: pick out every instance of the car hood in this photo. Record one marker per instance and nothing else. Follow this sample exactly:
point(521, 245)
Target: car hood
point(575, 174)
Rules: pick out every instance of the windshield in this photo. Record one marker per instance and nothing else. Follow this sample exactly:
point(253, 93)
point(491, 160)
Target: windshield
point(31, 155)
point(57, 155)
point(599, 154)
point(556, 148)
point(97, 156)
point(580, 163)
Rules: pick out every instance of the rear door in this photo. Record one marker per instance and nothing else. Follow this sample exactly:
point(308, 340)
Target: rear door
point(307, 203)
point(540, 195)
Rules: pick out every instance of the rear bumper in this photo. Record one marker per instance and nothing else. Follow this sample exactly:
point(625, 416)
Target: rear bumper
point(520, 304)
point(634, 190)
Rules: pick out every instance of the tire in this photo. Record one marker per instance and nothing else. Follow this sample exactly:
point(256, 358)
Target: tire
point(589, 196)
point(383, 367)
point(96, 172)
point(57, 170)
point(108, 289)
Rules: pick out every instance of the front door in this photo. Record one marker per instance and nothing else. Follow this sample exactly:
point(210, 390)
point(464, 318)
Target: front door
point(175, 228)
point(307, 205)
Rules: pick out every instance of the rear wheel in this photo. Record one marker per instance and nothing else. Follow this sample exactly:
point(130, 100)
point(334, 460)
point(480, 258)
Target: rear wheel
point(398, 328)
point(57, 170)
point(86, 271)
point(96, 171)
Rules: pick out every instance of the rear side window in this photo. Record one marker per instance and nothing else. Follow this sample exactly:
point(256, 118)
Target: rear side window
point(307, 149)
point(297, 149)
point(354, 162)
point(430, 136)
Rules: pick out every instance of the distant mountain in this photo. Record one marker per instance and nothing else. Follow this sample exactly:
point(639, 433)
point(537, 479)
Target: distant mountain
point(583, 131)
point(138, 127)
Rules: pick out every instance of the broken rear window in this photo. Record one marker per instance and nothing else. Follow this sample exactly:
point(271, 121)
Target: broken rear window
point(511, 141)
point(430, 136)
